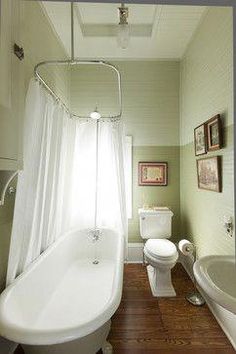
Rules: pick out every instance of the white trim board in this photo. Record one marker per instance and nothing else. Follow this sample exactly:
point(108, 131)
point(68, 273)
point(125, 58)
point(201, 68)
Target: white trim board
point(135, 253)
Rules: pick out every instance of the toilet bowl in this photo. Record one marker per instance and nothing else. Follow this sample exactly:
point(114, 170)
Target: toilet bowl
point(161, 256)
point(160, 253)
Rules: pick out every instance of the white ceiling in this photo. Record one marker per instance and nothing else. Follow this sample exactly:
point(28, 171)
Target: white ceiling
point(157, 31)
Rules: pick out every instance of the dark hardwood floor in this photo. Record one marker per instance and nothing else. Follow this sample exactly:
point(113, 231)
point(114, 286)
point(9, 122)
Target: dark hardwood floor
point(147, 325)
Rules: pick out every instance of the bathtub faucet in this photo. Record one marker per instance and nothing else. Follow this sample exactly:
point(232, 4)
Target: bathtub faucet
point(95, 234)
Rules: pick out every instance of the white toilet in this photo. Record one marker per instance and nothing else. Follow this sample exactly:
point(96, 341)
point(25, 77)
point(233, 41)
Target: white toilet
point(160, 253)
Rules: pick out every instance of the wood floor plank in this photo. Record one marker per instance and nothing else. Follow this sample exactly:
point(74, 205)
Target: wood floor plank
point(180, 307)
point(130, 321)
point(138, 307)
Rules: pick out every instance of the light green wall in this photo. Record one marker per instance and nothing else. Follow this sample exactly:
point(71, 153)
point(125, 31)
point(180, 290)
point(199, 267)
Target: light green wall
point(151, 116)
point(207, 89)
point(23, 22)
point(6, 216)
point(161, 196)
point(39, 43)
point(150, 98)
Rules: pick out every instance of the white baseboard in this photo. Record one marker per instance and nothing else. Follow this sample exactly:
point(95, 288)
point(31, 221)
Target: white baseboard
point(135, 253)
point(226, 319)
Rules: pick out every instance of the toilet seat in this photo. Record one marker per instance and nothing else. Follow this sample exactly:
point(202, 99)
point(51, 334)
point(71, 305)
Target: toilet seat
point(161, 249)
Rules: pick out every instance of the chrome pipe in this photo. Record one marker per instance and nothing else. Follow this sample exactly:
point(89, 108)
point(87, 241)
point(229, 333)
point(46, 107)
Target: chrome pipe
point(96, 176)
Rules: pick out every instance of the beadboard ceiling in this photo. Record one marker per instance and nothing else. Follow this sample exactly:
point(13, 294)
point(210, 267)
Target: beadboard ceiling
point(157, 31)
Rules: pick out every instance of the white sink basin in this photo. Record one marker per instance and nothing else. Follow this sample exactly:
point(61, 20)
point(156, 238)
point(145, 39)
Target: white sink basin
point(216, 275)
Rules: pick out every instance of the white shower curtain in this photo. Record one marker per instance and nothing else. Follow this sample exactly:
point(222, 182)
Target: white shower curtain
point(56, 189)
point(110, 183)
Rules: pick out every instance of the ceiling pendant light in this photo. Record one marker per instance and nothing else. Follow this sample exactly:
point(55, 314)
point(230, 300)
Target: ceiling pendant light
point(95, 114)
point(123, 30)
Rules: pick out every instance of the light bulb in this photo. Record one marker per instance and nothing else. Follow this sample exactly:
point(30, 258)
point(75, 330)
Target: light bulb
point(123, 35)
point(95, 115)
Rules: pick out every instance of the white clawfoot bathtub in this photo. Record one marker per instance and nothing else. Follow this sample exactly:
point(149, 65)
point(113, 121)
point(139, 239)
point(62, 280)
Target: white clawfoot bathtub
point(63, 302)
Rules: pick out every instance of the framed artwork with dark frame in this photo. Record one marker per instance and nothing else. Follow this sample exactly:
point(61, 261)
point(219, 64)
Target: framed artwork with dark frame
point(214, 133)
point(153, 173)
point(200, 140)
point(209, 173)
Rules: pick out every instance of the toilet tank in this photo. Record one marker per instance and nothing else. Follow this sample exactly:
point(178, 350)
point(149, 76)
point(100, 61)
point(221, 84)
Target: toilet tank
point(155, 223)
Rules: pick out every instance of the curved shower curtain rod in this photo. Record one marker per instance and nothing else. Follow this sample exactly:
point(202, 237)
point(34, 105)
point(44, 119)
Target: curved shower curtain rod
point(72, 62)
point(80, 62)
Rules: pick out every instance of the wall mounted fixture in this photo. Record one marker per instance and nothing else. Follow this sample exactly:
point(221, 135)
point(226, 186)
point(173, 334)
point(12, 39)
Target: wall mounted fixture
point(19, 52)
point(228, 225)
point(123, 30)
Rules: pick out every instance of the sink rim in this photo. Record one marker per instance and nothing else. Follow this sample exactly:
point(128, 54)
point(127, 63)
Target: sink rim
point(208, 285)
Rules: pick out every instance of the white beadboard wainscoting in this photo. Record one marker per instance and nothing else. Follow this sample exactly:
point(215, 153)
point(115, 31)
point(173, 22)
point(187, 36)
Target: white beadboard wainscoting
point(135, 252)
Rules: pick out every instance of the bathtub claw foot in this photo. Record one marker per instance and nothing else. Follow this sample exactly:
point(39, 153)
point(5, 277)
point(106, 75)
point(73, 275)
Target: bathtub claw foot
point(107, 348)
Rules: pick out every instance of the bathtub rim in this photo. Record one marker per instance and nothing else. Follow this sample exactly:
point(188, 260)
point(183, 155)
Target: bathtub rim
point(32, 336)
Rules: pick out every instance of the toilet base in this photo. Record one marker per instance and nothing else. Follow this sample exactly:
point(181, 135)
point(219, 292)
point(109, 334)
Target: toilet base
point(160, 282)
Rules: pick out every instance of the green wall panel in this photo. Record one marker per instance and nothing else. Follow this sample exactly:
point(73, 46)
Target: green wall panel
point(207, 89)
point(156, 195)
point(202, 211)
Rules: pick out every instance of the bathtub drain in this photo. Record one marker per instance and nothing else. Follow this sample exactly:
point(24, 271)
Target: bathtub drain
point(95, 262)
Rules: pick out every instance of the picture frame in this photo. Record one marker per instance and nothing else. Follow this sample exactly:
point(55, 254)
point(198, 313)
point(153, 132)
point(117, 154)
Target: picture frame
point(214, 133)
point(209, 173)
point(153, 173)
point(200, 140)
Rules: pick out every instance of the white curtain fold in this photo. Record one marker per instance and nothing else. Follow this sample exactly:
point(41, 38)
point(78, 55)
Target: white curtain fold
point(56, 189)
point(41, 190)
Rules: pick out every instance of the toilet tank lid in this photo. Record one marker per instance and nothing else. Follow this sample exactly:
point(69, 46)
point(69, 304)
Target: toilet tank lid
point(155, 211)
